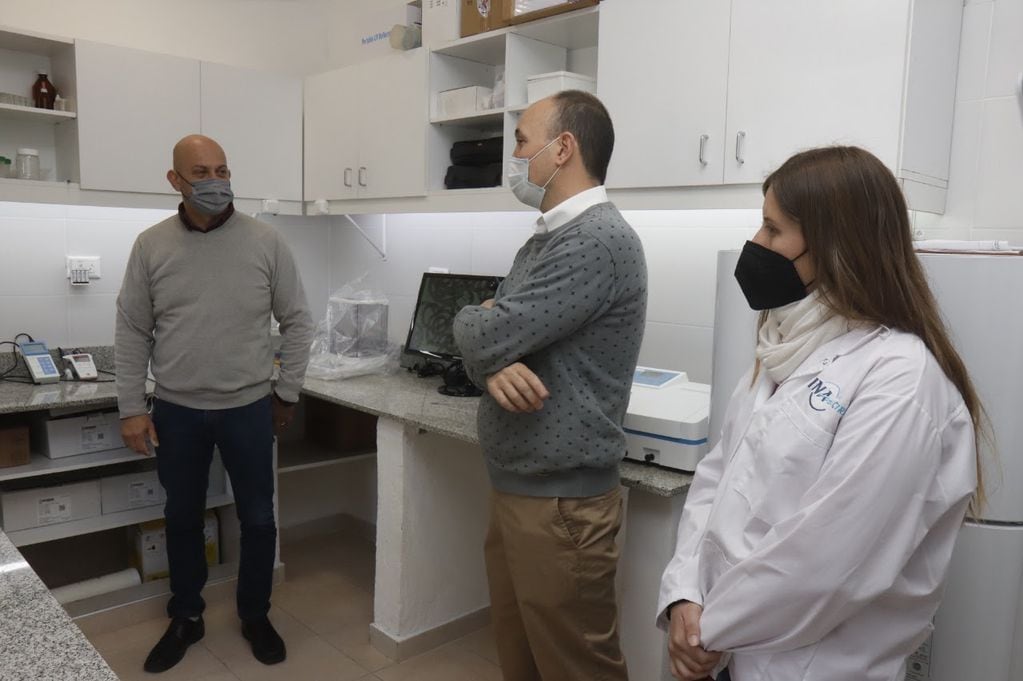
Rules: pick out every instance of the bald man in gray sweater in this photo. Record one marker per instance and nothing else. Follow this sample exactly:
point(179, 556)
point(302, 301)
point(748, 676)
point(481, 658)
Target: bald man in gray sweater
point(195, 308)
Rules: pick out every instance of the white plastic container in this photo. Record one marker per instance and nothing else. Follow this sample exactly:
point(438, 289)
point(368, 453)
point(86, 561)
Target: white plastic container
point(547, 84)
point(27, 164)
point(464, 101)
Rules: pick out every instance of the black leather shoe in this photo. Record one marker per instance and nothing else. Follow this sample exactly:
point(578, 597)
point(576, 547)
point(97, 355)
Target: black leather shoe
point(171, 647)
point(267, 645)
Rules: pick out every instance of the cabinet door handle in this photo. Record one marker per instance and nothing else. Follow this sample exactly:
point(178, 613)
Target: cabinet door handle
point(348, 177)
point(740, 147)
point(703, 149)
point(362, 176)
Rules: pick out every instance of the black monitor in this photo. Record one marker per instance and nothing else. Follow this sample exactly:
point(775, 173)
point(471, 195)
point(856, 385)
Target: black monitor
point(441, 296)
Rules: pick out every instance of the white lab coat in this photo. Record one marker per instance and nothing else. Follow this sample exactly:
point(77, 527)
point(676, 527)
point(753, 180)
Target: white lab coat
point(818, 532)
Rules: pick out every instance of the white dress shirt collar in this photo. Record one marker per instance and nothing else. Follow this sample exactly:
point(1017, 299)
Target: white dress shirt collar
point(570, 209)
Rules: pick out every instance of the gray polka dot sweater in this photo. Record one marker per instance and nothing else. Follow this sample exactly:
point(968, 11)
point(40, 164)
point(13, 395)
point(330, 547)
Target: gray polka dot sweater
point(572, 309)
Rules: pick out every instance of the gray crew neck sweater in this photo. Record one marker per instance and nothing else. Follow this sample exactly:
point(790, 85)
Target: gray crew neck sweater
point(197, 306)
point(572, 309)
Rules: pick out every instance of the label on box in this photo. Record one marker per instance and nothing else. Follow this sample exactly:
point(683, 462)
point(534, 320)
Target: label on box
point(141, 493)
point(54, 510)
point(94, 438)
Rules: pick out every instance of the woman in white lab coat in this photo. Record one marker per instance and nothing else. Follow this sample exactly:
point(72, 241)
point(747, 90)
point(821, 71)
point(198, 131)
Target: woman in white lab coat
point(816, 535)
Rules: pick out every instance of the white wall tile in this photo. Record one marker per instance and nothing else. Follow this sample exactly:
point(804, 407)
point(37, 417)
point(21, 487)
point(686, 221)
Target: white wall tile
point(43, 317)
point(999, 199)
point(698, 219)
point(974, 45)
point(308, 240)
point(11, 209)
point(1013, 236)
point(1006, 58)
point(91, 318)
point(32, 256)
point(399, 316)
point(352, 257)
point(681, 271)
point(494, 248)
point(143, 216)
point(678, 347)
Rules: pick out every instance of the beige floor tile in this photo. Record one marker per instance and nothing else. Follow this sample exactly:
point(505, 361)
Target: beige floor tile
point(449, 663)
point(134, 637)
point(197, 664)
point(353, 641)
point(224, 635)
point(219, 676)
point(482, 643)
point(325, 610)
point(311, 659)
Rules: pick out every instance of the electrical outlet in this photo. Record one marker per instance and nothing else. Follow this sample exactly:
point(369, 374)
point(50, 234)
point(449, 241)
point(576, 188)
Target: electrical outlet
point(78, 263)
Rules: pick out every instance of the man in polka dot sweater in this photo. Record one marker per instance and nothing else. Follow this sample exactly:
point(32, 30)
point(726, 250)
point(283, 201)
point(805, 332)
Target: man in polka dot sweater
point(556, 350)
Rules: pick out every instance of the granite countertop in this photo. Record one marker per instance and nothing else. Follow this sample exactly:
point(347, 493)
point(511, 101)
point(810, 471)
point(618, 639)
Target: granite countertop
point(416, 402)
point(400, 395)
point(38, 640)
point(20, 395)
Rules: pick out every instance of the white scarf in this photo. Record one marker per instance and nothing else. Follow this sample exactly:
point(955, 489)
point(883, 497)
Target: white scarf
point(791, 333)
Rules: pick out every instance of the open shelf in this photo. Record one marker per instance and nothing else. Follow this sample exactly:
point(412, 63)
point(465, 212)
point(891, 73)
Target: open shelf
point(493, 118)
point(42, 465)
point(35, 535)
point(13, 112)
point(572, 30)
point(484, 48)
point(303, 455)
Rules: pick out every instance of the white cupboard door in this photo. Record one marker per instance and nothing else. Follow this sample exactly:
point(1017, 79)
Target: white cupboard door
point(663, 73)
point(133, 107)
point(395, 113)
point(332, 134)
point(804, 74)
point(257, 118)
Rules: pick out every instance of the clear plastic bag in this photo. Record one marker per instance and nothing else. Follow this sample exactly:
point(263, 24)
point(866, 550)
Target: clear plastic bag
point(351, 339)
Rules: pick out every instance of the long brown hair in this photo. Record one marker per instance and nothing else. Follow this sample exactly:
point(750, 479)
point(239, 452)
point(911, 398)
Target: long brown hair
point(856, 226)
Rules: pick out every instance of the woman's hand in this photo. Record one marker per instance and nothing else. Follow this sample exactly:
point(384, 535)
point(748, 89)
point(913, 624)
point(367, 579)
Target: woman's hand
point(689, 661)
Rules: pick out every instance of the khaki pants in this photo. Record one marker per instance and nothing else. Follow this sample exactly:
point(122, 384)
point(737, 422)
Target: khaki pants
point(551, 563)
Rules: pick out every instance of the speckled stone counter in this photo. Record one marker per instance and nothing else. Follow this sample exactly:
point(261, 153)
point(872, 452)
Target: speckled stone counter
point(415, 401)
point(38, 640)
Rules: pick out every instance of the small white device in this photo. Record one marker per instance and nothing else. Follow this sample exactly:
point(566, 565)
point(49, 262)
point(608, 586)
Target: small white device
point(82, 366)
point(667, 420)
point(40, 364)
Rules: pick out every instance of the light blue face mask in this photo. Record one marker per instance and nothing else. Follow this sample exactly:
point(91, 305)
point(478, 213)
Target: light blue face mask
point(518, 179)
point(210, 197)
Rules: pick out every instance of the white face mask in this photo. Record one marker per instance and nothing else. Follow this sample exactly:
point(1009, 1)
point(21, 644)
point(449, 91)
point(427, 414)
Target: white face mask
point(518, 179)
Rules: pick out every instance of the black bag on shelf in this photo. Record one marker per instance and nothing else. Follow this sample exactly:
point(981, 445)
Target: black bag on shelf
point(473, 177)
point(478, 152)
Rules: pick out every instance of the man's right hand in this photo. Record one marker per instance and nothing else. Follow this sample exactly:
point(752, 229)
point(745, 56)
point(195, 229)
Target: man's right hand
point(689, 661)
point(136, 430)
point(517, 389)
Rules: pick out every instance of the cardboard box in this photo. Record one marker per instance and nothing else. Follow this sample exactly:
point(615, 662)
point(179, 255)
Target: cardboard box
point(150, 541)
point(14, 449)
point(523, 11)
point(41, 506)
point(547, 84)
point(464, 101)
point(142, 489)
point(441, 21)
point(80, 434)
point(480, 16)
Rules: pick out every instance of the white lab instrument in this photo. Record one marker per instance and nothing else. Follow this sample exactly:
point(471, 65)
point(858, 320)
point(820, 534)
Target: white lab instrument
point(40, 364)
point(666, 422)
point(81, 365)
point(978, 630)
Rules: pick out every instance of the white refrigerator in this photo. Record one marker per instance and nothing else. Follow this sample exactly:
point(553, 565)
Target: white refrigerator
point(979, 628)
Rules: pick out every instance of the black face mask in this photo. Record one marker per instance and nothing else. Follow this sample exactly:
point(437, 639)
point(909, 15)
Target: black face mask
point(768, 279)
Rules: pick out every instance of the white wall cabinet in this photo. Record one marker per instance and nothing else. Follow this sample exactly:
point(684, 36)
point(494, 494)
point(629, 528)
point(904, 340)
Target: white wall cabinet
point(257, 118)
point(133, 106)
point(365, 130)
point(875, 73)
point(668, 111)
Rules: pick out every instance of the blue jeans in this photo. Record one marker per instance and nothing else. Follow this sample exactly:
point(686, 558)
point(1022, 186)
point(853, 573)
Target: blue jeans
point(244, 436)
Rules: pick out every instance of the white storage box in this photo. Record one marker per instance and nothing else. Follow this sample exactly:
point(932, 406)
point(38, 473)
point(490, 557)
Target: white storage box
point(142, 489)
point(464, 101)
point(151, 547)
point(547, 84)
point(41, 506)
point(81, 434)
